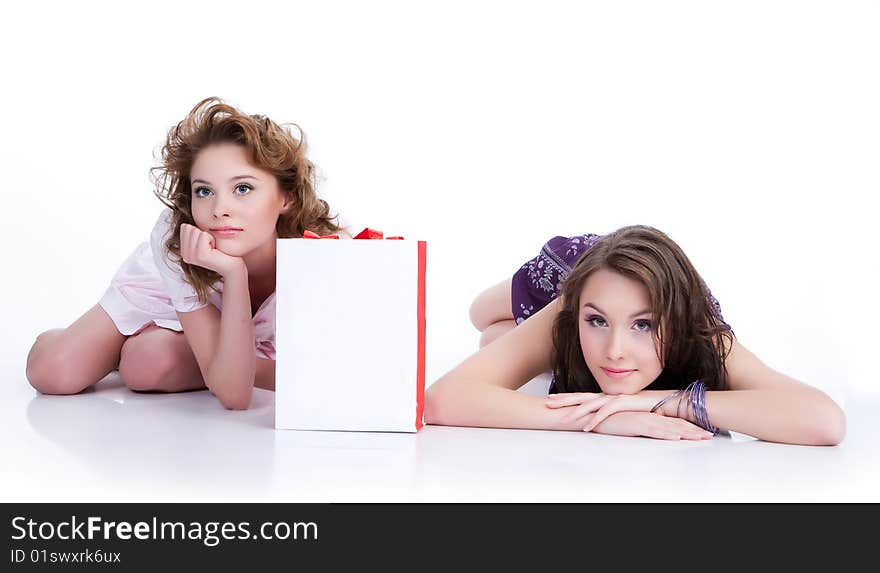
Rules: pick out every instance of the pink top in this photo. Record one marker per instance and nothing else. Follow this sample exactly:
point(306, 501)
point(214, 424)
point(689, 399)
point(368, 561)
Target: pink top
point(150, 288)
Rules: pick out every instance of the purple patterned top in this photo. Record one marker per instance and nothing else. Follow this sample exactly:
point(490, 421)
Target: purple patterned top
point(539, 280)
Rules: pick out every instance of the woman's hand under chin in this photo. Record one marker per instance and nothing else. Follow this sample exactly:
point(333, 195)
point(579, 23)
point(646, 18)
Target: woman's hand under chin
point(593, 408)
point(198, 247)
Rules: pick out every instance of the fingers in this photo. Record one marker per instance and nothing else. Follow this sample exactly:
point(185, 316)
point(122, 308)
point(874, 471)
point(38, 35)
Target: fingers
point(203, 245)
point(698, 434)
point(570, 399)
point(603, 405)
point(585, 408)
point(628, 422)
point(690, 431)
point(195, 244)
point(684, 436)
point(614, 404)
point(612, 407)
point(186, 242)
point(678, 429)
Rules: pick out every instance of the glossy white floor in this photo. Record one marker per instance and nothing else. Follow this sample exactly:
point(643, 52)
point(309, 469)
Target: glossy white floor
point(111, 444)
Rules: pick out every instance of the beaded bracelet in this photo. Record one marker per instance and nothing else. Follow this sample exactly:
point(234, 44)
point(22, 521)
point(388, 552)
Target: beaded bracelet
point(695, 400)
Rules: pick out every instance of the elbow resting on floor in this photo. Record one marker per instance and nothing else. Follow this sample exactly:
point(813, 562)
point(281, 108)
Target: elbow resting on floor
point(830, 429)
point(434, 405)
point(238, 402)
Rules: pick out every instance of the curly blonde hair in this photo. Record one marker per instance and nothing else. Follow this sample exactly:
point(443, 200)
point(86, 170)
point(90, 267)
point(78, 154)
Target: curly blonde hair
point(270, 147)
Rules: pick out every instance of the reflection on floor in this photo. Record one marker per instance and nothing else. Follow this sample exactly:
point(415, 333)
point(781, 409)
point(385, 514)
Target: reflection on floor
point(111, 444)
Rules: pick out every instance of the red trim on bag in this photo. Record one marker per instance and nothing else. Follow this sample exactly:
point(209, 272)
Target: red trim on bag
point(420, 314)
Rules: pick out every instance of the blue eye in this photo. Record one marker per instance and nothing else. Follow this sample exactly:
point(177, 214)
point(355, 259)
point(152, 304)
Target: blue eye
point(642, 325)
point(198, 191)
point(596, 321)
point(247, 189)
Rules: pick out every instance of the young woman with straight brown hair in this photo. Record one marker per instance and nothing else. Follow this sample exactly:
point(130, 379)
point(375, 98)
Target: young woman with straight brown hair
point(637, 346)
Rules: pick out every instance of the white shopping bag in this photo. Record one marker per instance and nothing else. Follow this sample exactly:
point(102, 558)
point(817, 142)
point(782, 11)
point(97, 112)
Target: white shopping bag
point(350, 334)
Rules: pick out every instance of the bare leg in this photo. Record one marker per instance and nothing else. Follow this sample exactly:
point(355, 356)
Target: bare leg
point(491, 312)
point(495, 330)
point(491, 306)
point(69, 360)
point(159, 360)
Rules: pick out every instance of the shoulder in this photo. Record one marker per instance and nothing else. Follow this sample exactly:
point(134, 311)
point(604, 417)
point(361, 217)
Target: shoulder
point(745, 371)
point(161, 228)
point(168, 268)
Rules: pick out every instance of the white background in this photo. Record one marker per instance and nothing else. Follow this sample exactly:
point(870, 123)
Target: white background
point(745, 130)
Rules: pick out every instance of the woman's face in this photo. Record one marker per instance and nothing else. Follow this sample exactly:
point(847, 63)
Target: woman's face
point(235, 201)
point(616, 331)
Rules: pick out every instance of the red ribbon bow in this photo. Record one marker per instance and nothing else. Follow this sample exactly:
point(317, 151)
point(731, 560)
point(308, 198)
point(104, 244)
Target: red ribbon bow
point(367, 233)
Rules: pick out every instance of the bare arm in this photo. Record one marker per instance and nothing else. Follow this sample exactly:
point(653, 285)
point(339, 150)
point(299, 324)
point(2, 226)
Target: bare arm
point(761, 402)
point(481, 391)
point(265, 377)
point(223, 343)
point(771, 406)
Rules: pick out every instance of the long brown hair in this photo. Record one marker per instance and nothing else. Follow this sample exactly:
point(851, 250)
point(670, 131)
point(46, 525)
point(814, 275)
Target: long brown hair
point(693, 338)
point(270, 147)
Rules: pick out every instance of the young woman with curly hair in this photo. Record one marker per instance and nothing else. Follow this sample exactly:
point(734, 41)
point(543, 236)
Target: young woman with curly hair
point(637, 346)
point(195, 305)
